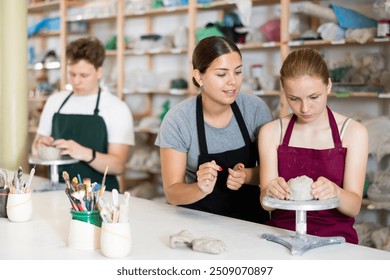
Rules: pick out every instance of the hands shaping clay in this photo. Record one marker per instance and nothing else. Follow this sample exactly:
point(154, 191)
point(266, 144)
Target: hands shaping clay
point(300, 188)
point(49, 153)
point(204, 244)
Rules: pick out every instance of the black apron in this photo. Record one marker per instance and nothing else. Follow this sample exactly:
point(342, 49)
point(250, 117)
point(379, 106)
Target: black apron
point(89, 131)
point(241, 204)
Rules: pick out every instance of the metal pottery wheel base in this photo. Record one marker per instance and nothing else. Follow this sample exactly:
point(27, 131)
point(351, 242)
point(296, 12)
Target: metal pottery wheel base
point(299, 244)
point(302, 242)
point(49, 186)
point(54, 176)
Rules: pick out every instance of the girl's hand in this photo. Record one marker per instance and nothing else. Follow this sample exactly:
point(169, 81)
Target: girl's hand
point(323, 188)
point(236, 177)
point(207, 176)
point(278, 188)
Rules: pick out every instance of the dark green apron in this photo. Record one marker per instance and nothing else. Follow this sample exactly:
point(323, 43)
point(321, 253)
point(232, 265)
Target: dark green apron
point(89, 131)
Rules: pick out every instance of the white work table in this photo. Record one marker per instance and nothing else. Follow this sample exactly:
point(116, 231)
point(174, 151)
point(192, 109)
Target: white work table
point(45, 236)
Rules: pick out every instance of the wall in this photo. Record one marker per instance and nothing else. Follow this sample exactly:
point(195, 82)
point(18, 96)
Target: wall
point(13, 90)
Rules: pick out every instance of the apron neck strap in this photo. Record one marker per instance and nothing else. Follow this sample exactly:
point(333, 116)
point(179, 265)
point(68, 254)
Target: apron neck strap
point(66, 100)
point(200, 126)
point(95, 111)
point(201, 129)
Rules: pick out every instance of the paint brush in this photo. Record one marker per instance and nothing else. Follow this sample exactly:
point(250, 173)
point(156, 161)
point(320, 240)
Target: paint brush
point(65, 176)
point(103, 187)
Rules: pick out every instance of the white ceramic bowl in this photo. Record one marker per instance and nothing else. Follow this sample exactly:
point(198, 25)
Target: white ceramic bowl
point(49, 153)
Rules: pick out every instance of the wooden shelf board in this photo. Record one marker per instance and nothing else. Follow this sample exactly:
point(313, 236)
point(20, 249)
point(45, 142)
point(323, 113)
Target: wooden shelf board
point(321, 43)
point(45, 6)
point(158, 12)
point(166, 51)
point(45, 34)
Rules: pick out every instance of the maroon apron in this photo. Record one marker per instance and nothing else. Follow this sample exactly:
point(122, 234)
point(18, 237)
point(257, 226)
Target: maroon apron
point(329, 163)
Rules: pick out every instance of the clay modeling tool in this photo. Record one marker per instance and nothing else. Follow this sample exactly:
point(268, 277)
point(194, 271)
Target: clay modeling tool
point(32, 172)
point(124, 209)
point(115, 198)
point(115, 202)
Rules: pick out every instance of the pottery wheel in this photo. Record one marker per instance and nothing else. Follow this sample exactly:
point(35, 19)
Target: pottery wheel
point(302, 242)
point(54, 176)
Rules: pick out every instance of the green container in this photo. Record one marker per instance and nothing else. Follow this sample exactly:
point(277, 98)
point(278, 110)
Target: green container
point(90, 217)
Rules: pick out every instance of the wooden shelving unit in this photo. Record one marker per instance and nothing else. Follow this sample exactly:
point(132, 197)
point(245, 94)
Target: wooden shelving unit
point(191, 11)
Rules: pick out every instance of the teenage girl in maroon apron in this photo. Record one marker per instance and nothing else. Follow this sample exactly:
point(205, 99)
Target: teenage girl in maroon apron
point(243, 203)
point(89, 131)
point(329, 163)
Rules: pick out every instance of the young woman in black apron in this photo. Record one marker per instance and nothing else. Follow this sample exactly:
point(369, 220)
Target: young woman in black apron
point(223, 181)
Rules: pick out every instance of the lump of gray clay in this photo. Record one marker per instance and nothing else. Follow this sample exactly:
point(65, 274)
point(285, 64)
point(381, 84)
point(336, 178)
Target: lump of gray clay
point(181, 239)
point(208, 245)
point(300, 188)
point(204, 244)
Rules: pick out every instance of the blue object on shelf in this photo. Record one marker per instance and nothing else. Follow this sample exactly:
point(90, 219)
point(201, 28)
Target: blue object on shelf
point(46, 24)
point(348, 18)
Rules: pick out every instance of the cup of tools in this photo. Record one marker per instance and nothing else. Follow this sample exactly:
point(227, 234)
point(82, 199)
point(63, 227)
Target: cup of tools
point(19, 207)
point(3, 202)
point(115, 239)
point(84, 230)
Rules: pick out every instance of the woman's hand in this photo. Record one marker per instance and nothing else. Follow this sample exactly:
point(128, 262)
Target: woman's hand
point(236, 177)
point(41, 141)
point(73, 149)
point(45, 141)
point(278, 188)
point(207, 176)
point(323, 188)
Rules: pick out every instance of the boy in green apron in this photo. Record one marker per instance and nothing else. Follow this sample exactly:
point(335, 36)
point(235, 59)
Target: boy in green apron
point(89, 123)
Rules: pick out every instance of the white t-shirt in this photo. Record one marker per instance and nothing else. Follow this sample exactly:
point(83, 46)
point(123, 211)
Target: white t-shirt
point(115, 112)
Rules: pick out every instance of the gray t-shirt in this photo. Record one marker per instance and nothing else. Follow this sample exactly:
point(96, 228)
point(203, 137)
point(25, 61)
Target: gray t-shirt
point(178, 130)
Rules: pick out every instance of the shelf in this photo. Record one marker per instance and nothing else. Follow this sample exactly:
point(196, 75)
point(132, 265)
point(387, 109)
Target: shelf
point(156, 51)
point(376, 205)
point(321, 43)
point(158, 12)
point(92, 19)
point(38, 99)
point(43, 7)
point(46, 34)
point(171, 92)
point(145, 170)
point(259, 46)
point(355, 94)
point(229, 5)
point(45, 66)
point(145, 130)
